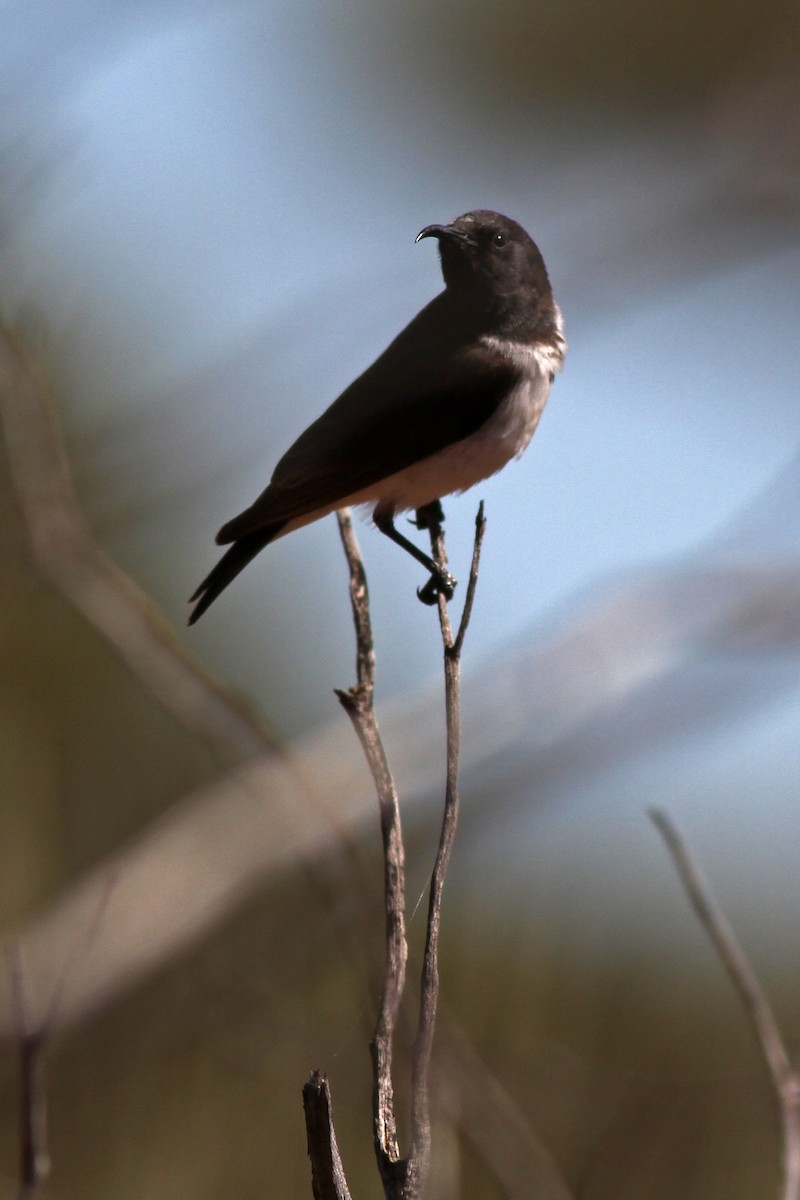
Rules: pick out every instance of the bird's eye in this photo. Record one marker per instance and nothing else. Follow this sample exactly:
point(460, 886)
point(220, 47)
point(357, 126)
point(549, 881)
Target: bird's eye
point(499, 239)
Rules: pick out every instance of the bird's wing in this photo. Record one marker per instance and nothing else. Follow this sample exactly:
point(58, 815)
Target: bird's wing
point(403, 409)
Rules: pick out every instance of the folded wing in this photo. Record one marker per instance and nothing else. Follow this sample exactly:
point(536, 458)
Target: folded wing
point(416, 399)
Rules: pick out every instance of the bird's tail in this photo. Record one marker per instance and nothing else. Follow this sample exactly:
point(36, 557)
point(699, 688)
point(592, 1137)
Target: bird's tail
point(232, 562)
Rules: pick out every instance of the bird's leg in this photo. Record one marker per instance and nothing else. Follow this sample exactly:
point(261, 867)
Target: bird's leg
point(440, 580)
point(431, 516)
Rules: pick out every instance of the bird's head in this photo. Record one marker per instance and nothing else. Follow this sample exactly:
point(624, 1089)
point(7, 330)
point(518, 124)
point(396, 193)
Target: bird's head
point(489, 258)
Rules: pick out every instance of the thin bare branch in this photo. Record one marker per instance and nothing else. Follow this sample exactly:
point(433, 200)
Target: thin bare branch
point(66, 554)
point(472, 583)
point(404, 1179)
point(358, 704)
point(327, 1175)
point(34, 1155)
point(784, 1078)
point(419, 1156)
point(359, 602)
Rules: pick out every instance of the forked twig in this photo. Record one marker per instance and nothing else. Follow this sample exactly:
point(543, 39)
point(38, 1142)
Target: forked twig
point(402, 1178)
point(358, 704)
point(429, 994)
point(785, 1079)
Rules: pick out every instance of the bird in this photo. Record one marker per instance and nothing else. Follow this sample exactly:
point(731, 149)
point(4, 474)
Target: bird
point(455, 397)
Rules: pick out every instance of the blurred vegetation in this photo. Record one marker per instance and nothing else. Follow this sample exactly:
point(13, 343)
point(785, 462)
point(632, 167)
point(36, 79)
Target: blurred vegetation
point(640, 1080)
point(86, 754)
point(615, 53)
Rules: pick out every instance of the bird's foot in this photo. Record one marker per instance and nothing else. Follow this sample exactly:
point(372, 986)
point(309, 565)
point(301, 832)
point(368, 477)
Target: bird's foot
point(441, 583)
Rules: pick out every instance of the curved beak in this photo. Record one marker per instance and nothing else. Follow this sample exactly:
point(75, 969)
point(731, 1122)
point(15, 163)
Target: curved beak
point(441, 231)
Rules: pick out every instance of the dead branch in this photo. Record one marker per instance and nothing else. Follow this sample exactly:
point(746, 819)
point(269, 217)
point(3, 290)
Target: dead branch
point(65, 552)
point(419, 1155)
point(402, 1178)
point(327, 1176)
point(358, 704)
point(785, 1080)
point(34, 1162)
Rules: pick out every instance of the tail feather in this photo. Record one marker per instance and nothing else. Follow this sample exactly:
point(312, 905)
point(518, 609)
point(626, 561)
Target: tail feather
point(232, 562)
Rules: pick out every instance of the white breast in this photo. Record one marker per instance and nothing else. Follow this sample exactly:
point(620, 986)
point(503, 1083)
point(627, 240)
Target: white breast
point(504, 436)
point(459, 466)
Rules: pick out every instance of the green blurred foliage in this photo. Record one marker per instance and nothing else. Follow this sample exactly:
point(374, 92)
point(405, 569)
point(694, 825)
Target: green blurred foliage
point(577, 57)
point(638, 1080)
point(641, 1082)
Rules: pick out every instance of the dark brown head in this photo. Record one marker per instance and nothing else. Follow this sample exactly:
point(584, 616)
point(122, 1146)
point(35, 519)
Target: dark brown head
point(486, 253)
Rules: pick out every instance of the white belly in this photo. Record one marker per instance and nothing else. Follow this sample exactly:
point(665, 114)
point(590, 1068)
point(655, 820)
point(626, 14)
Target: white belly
point(503, 437)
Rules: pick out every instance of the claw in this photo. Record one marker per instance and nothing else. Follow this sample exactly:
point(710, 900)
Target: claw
point(443, 584)
point(429, 593)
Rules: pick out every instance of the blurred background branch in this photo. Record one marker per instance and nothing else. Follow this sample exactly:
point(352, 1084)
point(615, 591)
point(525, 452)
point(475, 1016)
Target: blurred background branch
point(784, 1078)
point(34, 1159)
point(210, 210)
point(106, 598)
